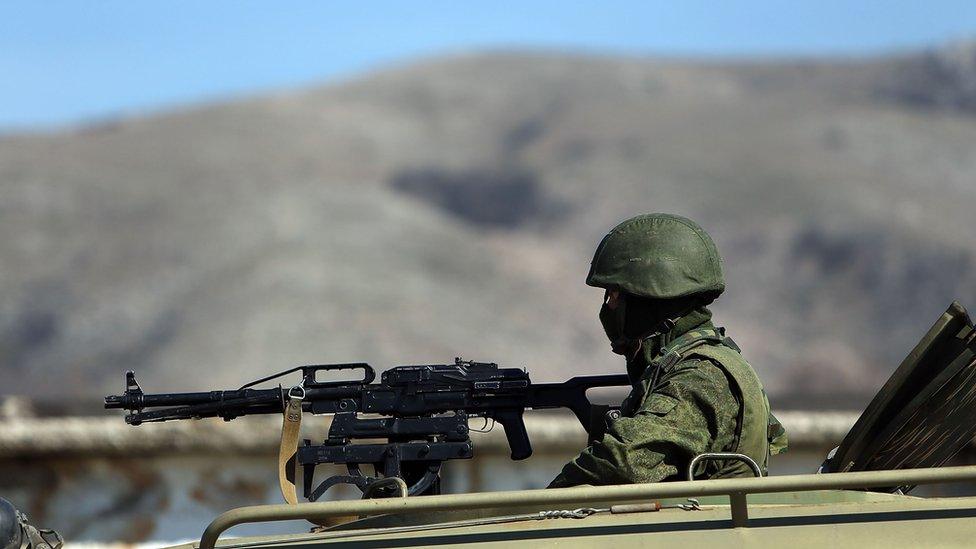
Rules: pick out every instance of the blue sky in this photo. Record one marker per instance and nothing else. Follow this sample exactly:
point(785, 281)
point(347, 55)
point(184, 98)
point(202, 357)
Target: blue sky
point(70, 62)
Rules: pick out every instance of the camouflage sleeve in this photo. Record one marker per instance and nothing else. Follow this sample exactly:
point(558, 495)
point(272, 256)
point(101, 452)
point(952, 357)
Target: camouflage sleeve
point(693, 412)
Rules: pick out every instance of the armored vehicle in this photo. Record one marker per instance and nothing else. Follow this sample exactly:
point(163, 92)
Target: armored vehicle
point(921, 417)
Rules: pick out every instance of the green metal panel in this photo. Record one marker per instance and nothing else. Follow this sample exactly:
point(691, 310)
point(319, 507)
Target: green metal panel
point(899, 521)
point(735, 489)
point(926, 411)
point(814, 497)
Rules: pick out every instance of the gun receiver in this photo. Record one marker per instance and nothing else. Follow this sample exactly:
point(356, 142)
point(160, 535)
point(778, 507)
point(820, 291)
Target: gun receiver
point(424, 409)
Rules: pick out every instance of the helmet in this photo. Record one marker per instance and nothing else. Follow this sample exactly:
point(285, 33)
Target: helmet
point(658, 256)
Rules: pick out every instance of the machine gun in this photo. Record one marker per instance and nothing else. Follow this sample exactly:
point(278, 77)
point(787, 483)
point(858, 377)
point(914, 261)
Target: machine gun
point(424, 408)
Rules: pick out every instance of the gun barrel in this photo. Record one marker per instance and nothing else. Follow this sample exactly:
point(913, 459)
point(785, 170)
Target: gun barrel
point(137, 401)
point(212, 401)
point(168, 406)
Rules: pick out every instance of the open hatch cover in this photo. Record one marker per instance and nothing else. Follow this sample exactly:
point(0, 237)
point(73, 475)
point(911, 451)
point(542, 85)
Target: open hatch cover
point(926, 411)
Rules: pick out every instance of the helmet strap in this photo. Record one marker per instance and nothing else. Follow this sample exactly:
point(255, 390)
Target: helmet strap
point(668, 324)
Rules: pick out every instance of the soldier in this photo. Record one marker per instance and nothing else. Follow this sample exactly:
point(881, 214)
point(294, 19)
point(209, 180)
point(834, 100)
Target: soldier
point(692, 391)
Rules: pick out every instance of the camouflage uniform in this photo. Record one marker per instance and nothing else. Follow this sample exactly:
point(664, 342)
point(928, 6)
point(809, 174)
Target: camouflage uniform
point(692, 390)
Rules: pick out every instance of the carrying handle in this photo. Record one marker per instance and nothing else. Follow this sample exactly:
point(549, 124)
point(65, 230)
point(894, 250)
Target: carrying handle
point(309, 371)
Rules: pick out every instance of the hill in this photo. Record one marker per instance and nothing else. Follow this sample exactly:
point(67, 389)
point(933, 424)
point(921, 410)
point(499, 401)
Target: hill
point(450, 207)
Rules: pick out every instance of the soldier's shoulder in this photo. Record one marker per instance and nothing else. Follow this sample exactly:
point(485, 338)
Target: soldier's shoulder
point(716, 353)
point(692, 361)
point(700, 369)
point(702, 382)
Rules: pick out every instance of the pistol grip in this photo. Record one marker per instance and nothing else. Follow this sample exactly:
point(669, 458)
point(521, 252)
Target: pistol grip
point(518, 438)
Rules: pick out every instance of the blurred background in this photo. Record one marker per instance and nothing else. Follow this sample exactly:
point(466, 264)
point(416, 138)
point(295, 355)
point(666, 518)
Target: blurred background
point(208, 193)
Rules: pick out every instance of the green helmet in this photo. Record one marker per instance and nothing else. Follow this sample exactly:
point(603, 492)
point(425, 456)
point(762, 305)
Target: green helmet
point(660, 256)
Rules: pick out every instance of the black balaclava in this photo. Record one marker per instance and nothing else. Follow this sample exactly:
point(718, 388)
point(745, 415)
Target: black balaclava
point(636, 318)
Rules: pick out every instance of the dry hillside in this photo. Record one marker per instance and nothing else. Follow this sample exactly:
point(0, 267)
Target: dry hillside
point(450, 207)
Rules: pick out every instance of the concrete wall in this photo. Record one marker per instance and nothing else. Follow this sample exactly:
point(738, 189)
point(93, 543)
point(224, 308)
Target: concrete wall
point(97, 480)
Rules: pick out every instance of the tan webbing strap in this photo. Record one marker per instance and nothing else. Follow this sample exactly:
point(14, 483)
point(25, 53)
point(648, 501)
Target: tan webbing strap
point(291, 426)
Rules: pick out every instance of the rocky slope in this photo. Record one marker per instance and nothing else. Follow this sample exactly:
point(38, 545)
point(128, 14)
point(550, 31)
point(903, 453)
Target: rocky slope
point(450, 208)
